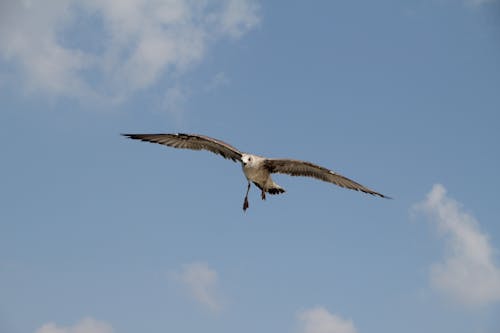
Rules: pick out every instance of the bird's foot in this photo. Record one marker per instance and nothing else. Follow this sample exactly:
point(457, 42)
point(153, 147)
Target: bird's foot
point(245, 204)
point(263, 195)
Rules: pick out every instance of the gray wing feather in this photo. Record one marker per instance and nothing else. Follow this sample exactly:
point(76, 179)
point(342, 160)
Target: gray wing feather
point(191, 141)
point(307, 169)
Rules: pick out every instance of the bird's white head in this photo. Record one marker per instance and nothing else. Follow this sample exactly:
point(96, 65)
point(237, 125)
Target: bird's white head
point(248, 159)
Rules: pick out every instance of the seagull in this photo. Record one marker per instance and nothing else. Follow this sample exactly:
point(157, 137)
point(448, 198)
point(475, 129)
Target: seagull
point(257, 169)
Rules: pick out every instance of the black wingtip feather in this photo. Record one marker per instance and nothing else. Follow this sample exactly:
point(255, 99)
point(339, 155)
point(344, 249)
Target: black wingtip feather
point(380, 195)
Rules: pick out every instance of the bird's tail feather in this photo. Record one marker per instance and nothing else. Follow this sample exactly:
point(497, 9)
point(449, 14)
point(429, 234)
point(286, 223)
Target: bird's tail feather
point(275, 189)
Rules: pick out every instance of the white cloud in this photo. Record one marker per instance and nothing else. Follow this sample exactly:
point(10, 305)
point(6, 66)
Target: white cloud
point(28, 36)
point(86, 325)
point(201, 282)
point(468, 273)
point(238, 17)
point(319, 320)
point(66, 46)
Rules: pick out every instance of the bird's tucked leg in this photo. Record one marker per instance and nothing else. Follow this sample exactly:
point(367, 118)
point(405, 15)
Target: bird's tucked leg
point(245, 202)
point(263, 194)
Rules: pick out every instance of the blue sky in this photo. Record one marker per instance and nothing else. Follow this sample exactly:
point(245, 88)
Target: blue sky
point(99, 234)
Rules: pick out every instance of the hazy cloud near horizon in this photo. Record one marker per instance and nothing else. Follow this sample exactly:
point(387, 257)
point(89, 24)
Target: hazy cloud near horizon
point(320, 320)
point(201, 281)
point(86, 325)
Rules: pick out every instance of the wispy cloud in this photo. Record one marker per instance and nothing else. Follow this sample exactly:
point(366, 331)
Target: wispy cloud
point(113, 48)
point(201, 282)
point(86, 325)
point(218, 80)
point(319, 320)
point(467, 273)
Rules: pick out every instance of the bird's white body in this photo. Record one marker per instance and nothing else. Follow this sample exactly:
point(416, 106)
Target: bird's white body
point(255, 172)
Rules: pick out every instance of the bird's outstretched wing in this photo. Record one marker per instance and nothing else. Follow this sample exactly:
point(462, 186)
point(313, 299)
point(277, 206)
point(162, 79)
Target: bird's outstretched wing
point(191, 141)
point(307, 169)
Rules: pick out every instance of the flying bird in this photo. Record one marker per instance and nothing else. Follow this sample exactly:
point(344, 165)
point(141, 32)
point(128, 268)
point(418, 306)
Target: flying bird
point(257, 169)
